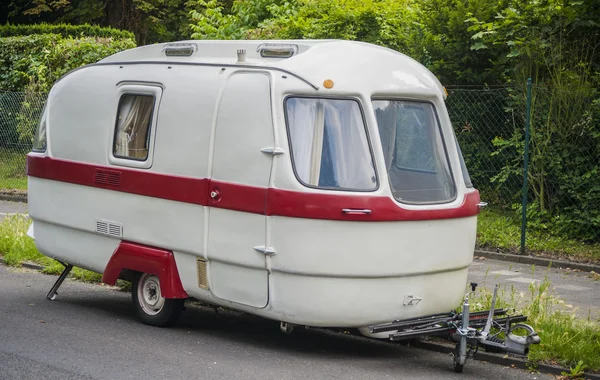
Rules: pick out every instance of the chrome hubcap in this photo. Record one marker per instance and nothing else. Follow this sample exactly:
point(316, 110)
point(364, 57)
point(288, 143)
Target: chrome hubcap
point(149, 296)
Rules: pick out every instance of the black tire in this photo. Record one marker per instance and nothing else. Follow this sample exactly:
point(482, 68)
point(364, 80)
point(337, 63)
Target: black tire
point(164, 312)
point(457, 366)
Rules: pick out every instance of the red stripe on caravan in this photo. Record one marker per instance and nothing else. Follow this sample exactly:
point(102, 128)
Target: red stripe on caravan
point(237, 197)
point(330, 206)
point(242, 197)
point(145, 259)
point(176, 188)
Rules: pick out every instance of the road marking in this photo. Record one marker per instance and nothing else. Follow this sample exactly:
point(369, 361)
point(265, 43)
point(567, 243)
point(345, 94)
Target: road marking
point(523, 280)
point(571, 287)
point(505, 272)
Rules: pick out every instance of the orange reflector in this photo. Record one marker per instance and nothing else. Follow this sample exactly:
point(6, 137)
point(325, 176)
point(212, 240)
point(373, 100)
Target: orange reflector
point(446, 91)
point(328, 83)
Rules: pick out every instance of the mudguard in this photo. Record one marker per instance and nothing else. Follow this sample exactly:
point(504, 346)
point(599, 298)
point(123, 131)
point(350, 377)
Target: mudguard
point(146, 259)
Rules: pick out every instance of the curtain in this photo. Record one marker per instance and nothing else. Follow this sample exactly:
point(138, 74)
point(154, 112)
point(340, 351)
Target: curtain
point(134, 121)
point(347, 146)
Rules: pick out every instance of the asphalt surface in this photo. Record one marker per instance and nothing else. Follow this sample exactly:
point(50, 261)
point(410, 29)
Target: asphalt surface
point(8, 208)
point(90, 332)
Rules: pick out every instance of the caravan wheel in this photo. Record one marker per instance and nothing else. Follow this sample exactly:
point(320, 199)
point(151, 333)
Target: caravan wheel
point(150, 306)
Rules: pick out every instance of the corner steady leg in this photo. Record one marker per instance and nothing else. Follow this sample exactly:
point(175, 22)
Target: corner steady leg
point(53, 292)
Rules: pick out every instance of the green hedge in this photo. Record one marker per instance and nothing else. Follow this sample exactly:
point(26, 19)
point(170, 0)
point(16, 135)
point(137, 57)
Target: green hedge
point(65, 30)
point(30, 65)
point(35, 62)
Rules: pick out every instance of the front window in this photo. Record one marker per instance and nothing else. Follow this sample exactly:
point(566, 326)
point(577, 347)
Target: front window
point(329, 144)
point(414, 152)
point(40, 138)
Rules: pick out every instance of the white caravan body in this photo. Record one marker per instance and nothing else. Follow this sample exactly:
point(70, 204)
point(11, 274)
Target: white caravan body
point(316, 183)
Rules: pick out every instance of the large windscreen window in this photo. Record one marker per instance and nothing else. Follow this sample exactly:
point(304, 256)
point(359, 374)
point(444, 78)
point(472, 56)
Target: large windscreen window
point(415, 157)
point(329, 144)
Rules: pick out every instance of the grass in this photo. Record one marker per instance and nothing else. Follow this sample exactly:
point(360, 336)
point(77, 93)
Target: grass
point(497, 230)
point(16, 248)
point(12, 170)
point(566, 340)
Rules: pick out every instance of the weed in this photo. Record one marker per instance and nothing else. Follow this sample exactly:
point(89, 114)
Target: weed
point(575, 372)
point(565, 339)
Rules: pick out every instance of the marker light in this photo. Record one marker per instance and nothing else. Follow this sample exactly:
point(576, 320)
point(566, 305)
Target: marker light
point(276, 50)
point(180, 50)
point(328, 83)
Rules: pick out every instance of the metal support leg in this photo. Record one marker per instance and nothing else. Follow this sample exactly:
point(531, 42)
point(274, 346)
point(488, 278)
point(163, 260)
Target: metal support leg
point(53, 292)
point(461, 348)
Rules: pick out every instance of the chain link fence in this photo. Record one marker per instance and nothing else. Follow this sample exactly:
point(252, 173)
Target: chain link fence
point(563, 192)
point(562, 197)
point(19, 114)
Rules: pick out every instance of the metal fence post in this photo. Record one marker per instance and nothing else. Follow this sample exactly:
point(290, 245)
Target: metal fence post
point(525, 167)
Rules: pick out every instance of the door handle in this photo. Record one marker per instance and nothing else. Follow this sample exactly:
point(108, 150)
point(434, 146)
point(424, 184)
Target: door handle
point(354, 211)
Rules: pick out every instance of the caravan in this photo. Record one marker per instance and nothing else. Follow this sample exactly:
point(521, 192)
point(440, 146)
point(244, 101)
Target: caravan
point(312, 182)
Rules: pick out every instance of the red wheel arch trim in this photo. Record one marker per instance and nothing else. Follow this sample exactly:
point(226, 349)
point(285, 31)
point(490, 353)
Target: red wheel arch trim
point(146, 259)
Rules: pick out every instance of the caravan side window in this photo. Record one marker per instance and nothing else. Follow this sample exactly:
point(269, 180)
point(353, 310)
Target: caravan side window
point(132, 130)
point(329, 144)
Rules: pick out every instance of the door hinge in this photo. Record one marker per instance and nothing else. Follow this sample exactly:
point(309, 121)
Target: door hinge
point(273, 151)
point(266, 250)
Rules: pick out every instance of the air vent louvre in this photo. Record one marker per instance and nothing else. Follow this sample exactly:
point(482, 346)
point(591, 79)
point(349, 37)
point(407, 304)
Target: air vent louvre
point(107, 177)
point(101, 227)
point(109, 228)
point(202, 276)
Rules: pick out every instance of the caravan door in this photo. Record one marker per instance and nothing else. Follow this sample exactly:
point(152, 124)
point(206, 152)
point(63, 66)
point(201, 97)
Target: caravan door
point(238, 190)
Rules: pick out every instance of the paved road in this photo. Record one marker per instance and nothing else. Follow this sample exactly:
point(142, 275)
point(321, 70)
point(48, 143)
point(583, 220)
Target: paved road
point(90, 333)
point(8, 208)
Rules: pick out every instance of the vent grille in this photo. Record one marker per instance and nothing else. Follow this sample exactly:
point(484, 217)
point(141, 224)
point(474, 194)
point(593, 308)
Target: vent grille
point(107, 177)
point(202, 277)
point(109, 228)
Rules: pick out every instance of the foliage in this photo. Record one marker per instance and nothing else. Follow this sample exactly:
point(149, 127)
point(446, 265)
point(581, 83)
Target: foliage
point(557, 46)
point(149, 20)
point(565, 338)
point(12, 169)
point(446, 41)
point(64, 30)
point(384, 22)
point(502, 231)
point(33, 63)
point(17, 247)
point(215, 20)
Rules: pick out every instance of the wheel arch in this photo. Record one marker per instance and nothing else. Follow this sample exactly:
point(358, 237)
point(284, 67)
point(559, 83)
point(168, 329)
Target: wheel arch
point(136, 257)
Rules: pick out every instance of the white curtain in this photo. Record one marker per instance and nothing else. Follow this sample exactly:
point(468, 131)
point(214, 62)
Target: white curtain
point(134, 119)
point(341, 120)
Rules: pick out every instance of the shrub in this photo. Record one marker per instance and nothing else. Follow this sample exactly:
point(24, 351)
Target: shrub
point(65, 30)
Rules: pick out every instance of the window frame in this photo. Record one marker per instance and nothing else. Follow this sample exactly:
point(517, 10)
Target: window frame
point(365, 126)
point(443, 142)
point(143, 90)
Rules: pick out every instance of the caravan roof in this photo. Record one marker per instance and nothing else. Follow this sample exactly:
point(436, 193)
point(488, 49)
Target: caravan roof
point(354, 66)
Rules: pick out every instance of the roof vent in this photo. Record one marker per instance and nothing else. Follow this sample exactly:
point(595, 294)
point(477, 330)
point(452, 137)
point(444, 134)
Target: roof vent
point(277, 50)
point(180, 49)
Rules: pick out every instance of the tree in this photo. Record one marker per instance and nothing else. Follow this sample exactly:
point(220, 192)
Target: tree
point(150, 20)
